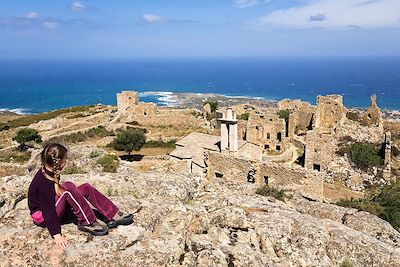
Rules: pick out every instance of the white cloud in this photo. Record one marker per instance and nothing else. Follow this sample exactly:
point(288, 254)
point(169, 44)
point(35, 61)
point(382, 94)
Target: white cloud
point(248, 3)
point(154, 19)
point(151, 18)
point(51, 25)
point(245, 3)
point(32, 15)
point(334, 15)
point(77, 7)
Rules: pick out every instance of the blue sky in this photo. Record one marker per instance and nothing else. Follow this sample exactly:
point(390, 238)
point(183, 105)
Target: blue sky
point(198, 28)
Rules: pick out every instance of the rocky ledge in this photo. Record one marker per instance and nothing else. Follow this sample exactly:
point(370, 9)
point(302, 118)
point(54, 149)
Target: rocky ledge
point(182, 220)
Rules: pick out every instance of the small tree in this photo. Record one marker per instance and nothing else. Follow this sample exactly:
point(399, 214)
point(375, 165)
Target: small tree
point(213, 105)
point(130, 140)
point(364, 155)
point(27, 135)
point(284, 114)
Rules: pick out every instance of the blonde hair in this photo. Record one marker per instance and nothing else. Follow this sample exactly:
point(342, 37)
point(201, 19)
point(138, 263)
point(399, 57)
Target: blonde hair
point(51, 156)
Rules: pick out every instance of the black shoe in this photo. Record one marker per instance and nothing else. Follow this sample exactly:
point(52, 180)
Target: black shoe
point(128, 219)
point(94, 229)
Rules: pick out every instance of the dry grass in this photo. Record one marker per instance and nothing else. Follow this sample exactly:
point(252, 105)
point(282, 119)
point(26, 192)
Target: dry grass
point(338, 191)
point(8, 170)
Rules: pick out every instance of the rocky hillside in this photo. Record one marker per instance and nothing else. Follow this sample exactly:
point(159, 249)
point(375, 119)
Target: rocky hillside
point(182, 220)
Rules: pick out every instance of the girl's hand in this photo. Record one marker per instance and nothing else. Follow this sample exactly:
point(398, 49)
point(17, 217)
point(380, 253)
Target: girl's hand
point(60, 241)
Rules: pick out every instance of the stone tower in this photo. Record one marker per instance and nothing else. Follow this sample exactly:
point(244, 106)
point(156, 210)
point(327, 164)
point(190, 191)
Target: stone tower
point(330, 113)
point(126, 100)
point(229, 131)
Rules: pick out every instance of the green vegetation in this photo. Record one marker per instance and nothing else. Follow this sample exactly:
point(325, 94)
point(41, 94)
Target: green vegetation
point(73, 170)
point(110, 163)
point(347, 263)
point(14, 156)
point(95, 154)
point(272, 192)
point(28, 120)
point(364, 155)
point(78, 137)
point(284, 114)
point(130, 140)
point(244, 116)
point(213, 105)
point(112, 192)
point(383, 202)
point(27, 135)
point(163, 144)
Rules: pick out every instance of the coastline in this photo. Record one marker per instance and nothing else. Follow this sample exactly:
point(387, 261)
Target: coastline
point(196, 100)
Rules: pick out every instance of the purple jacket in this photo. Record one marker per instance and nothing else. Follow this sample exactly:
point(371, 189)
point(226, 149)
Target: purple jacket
point(42, 196)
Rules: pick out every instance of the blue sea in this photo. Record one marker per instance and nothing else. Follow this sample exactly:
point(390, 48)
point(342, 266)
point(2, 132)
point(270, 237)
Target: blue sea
point(33, 86)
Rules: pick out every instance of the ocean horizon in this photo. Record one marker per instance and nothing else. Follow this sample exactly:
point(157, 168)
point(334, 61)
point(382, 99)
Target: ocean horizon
point(34, 86)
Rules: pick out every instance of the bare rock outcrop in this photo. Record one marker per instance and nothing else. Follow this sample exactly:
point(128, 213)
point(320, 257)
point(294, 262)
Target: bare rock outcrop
point(182, 220)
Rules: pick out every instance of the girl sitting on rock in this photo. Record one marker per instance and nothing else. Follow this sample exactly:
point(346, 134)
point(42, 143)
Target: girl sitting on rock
point(49, 201)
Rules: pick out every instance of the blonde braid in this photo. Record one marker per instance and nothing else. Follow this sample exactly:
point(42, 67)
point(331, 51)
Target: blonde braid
point(57, 186)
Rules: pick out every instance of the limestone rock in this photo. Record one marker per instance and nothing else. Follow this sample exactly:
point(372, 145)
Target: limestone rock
point(49, 125)
point(181, 220)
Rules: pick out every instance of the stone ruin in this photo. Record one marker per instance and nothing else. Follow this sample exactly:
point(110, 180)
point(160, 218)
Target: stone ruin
point(303, 145)
point(229, 132)
point(130, 109)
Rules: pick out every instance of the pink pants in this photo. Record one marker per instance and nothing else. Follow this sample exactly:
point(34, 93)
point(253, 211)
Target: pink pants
point(77, 199)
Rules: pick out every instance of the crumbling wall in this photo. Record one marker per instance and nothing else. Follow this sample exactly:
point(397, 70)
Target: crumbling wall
point(228, 167)
point(293, 104)
point(330, 114)
point(126, 100)
point(308, 183)
point(266, 130)
point(298, 179)
point(320, 151)
point(373, 116)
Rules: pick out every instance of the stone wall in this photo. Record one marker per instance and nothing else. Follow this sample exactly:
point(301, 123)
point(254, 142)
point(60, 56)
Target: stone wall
point(228, 167)
point(320, 151)
point(308, 183)
point(126, 100)
point(330, 113)
point(266, 130)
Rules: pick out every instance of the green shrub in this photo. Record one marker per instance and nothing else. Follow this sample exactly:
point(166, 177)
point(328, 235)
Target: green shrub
point(27, 135)
point(244, 116)
point(365, 155)
point(73, 170)
point(347, 263)
point(213, 105)
point(284, 114)
point(129, 140)
point(168, 144)
point(271, 192)
point(99, 131)
point(383, 202)
point(110, 163)
point(95, 154)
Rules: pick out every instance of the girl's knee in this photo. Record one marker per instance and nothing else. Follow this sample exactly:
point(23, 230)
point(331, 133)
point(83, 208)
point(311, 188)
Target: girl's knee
point(69, 186)
point(86, 185)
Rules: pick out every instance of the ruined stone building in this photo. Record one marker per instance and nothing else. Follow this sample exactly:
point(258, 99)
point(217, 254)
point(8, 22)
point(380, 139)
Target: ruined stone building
point(266, 130)
point(149, 114)
point(297, 152)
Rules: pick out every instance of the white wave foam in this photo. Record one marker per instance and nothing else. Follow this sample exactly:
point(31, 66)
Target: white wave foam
point(163, 98)
point(19, 111)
